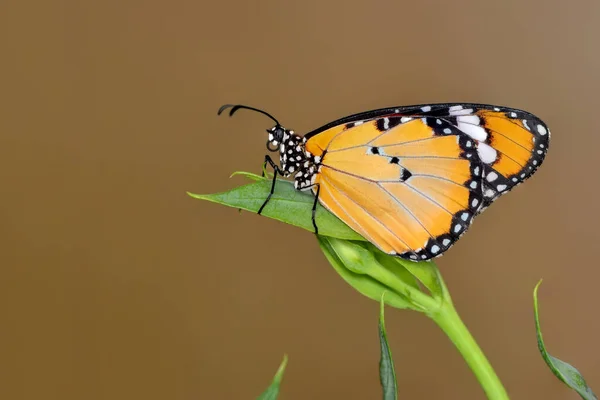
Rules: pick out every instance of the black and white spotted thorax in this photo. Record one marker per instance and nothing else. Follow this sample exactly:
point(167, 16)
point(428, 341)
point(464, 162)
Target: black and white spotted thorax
point(294, 159)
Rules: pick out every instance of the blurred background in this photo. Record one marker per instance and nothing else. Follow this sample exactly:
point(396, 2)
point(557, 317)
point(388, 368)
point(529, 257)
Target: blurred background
point(114, 284)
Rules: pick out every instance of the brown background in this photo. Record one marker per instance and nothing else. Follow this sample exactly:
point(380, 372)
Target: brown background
point(116, 285)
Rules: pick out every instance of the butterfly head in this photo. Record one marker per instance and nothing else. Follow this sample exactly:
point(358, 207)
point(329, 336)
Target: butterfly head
point(277, 136)
point(293, 157)
point(280, 138)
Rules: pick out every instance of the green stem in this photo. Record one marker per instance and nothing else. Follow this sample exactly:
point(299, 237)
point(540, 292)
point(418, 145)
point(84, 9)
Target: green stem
point(448, 319)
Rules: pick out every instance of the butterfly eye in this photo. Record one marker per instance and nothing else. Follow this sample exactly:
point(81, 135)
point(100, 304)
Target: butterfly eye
point(278, 133)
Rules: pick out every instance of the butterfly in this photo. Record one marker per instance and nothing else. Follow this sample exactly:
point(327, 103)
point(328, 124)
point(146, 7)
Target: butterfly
point(410, 179)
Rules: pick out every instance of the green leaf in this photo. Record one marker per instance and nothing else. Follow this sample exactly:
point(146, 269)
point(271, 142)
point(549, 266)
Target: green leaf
point(429, 275)
point(287, 205)
point(363, 283)
point(357, 261)
point(273, 390)
point(397, 268)
point(563, 371)
point(387, 373)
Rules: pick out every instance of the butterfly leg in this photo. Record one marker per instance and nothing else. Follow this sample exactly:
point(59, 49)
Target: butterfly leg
point(314, 208)
point(276, 171)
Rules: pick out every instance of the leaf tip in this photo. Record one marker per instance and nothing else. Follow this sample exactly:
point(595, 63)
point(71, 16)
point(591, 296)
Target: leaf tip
point(195, 196)
point(535, 292)
point(272, 391)
point(248, 175)
point(281, 369)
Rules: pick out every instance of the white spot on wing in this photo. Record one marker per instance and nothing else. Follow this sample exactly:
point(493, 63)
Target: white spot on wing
point(386, 123)
point(405, 119)
point(487, 154)
point(426, 108)
point(435, 248)
point(541, 129)
point(459, 110)
point(470, 119)
point(446, 242)
point(469, 124)
point(492, 176)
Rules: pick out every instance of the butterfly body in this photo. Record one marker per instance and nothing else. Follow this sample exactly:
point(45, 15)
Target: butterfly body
point(411, 179)
point(294, 160)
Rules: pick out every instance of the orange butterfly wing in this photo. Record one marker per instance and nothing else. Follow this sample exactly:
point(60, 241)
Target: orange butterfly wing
point(412, 180)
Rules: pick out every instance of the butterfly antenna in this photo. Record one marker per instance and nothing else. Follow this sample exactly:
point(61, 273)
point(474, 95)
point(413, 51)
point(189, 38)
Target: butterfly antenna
point(235, 107)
